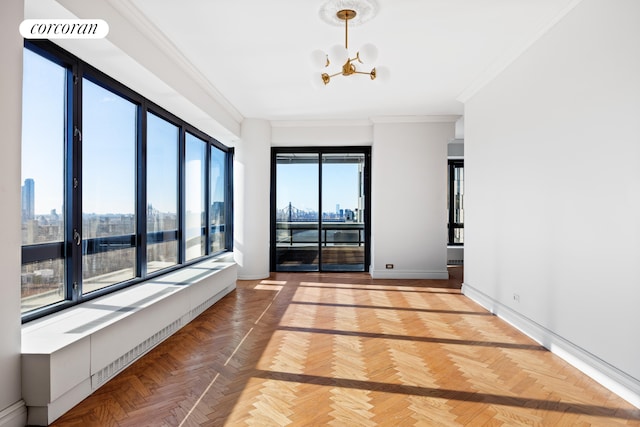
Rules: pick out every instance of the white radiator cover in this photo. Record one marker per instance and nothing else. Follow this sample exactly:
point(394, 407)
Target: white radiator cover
point(63, 363)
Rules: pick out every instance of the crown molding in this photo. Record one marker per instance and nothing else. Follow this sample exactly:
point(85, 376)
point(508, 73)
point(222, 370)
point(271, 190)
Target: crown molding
point(363, 122)
point(319, 123)
point(415, 119)
point(516, 50)
point(139, 20)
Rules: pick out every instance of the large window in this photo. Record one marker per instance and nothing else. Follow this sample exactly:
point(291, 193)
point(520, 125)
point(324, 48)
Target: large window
point(115, 189)
point(218, 190)
point(162, 193)
point(195, 193)
point(456, 202)
point(43, 145)
point(320, 199)
point(109, 139)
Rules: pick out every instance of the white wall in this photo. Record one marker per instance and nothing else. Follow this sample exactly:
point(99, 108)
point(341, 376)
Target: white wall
point(553, 187)
point(12, 411)
point(409, 196)
point(455, 149)
point(251, 172)
point(321, 133)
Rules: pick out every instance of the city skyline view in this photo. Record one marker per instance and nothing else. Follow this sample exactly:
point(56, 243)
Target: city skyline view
point(298, 185)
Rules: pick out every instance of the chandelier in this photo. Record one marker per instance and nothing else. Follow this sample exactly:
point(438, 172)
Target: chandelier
point(344, 11)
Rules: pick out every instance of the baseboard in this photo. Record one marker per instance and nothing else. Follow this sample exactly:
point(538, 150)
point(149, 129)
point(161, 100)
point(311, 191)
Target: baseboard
point(253, 276)
point(410, 274)
point(14, 415)
point(609, 376)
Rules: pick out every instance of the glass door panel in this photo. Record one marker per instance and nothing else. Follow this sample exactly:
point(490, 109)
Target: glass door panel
point(343, 234)
point(297, 220)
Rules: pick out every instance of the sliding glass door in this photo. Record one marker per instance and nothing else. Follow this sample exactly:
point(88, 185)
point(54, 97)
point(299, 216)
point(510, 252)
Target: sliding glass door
point(343, 238)
point(297, 222)
point(319, 209)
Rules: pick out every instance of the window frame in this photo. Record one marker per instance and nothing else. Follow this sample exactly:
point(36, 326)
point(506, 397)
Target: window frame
point(204, 195)
point(71, 252)
point(225, 185)
point(453, 164)
point(320, 151)
point(162, 235)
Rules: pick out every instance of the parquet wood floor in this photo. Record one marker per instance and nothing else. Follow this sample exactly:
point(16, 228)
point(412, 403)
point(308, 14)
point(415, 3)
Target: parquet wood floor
point(321, 349)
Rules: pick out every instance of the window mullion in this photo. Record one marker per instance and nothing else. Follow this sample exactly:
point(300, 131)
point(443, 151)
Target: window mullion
point(73, 184)
point(228, 185)
point(207, 199)
point(182, 246)
point(320, 223)
point(141, 193)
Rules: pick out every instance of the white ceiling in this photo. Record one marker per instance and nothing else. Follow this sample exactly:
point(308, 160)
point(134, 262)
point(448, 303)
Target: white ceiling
point(254, 54)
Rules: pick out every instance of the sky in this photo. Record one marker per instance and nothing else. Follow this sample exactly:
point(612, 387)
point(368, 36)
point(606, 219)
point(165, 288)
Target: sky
point(42, 131)
point(298, 184)
point(108, 148)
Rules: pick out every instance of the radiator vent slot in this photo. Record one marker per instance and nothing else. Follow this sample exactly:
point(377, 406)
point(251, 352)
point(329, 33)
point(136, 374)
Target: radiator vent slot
point(111, 370)
point(197, 311)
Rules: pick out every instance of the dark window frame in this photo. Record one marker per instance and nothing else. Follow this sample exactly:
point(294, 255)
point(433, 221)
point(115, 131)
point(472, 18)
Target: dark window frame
point(453, 164)
point(71, 252)
point(366, 151)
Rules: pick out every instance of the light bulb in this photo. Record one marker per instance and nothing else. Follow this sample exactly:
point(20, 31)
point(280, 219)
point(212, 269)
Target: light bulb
point(383, 74)
point(318, 59)
point(338, 55)
point(317, 81)
point(368, 54)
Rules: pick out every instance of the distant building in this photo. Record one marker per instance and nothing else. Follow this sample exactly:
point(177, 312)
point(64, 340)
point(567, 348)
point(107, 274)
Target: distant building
point(28, 200)
point(349, 215)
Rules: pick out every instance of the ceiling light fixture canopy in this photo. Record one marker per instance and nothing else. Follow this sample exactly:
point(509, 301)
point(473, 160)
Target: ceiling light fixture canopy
point(338, 54)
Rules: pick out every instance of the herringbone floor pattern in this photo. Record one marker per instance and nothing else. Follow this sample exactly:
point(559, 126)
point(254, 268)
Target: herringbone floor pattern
point(307, 349)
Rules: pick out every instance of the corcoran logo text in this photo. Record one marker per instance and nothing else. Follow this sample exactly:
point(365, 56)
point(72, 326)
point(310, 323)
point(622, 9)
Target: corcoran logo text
point(64, 29)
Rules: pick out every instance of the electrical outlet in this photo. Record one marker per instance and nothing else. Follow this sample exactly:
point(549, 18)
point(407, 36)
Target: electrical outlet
point(388, 266)
point(516, 297)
